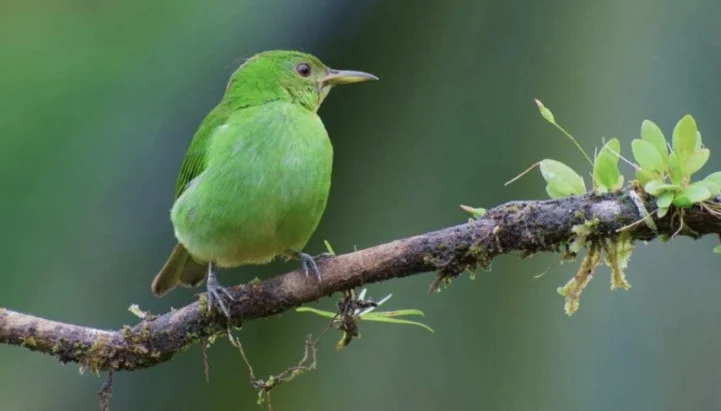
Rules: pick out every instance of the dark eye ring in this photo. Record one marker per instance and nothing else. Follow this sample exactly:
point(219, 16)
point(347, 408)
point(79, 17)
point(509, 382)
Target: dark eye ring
point(303, 69)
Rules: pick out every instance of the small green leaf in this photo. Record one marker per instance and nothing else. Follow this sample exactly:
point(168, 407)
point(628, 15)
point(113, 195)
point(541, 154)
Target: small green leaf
point(562, 180)
point(665, 199)
point(647, 157)
point(605, 169)
point(696, 160)
point(674, 168)
point(657, 187)
point(328, 247)
point(685, 135)
point(382, 316)
point(715, 177)
point(662, 211)
point(643, 176)
point(606, 174)
point(379, 317)
point(554, 192)
point(714, 188)
point(652, 133)
point(693, 194)
point(612, 147)
point(316, 311)
point(717, 249)
point(474, 212)
point(400, 313)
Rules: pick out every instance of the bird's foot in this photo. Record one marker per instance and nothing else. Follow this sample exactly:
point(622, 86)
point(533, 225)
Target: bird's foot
point(217, 292)
point(308, 263)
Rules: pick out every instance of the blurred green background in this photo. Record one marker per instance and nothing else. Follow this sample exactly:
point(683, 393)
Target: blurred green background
point(99, 99)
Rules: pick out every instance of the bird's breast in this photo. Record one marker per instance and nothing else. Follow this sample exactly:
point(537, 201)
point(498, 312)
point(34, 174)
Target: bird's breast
point(266, 196)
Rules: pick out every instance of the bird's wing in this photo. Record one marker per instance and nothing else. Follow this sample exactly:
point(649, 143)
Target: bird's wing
point(195, 159)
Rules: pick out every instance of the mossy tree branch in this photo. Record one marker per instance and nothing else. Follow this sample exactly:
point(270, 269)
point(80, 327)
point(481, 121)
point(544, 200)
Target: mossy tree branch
point(520, 227)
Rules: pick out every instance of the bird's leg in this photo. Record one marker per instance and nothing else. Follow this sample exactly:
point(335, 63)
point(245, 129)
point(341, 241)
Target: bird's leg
point(308, 262)
point(216, 292)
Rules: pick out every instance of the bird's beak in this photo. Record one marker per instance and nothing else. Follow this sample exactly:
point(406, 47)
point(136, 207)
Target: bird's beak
point(345, 77)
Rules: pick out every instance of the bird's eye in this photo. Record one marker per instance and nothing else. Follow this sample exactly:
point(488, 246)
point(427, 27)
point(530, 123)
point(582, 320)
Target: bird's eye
point(303, 69)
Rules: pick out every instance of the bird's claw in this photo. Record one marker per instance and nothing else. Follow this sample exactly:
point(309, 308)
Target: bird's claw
point(216, 292)
point(308, 263)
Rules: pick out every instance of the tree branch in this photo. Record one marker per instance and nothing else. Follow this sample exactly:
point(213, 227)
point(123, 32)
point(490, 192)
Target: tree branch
point(524, 227)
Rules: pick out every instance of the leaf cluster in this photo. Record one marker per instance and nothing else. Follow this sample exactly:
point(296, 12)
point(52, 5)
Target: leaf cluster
point(664, 170)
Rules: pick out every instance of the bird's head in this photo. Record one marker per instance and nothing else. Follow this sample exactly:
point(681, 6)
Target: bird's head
point(287, 75)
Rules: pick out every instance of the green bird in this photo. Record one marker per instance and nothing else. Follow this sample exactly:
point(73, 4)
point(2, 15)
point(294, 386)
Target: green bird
point(256, 177)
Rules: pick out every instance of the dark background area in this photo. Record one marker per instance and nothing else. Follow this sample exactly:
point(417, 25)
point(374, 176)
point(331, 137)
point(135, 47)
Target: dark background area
point(99, 100)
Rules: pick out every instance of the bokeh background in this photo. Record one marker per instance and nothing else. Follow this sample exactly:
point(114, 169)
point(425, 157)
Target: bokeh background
point(98, 101)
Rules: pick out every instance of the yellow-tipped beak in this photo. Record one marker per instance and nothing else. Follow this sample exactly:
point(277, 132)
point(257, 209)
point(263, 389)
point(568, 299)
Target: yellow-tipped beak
point(346, 77)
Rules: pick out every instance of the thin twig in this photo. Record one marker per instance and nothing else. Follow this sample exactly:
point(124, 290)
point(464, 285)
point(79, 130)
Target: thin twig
point(106, 392)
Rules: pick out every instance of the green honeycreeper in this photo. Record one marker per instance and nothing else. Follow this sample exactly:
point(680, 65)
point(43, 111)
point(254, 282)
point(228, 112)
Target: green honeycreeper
point(255, 180)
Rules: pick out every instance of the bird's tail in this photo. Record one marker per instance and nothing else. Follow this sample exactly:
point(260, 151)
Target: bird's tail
point(179, 269)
